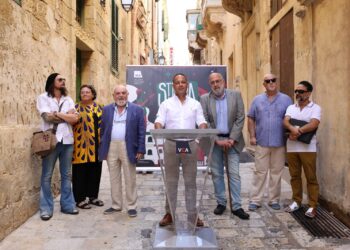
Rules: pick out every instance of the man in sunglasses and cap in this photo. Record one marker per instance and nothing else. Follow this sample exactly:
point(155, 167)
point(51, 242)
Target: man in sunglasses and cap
point(265, 125)
point(300, 152)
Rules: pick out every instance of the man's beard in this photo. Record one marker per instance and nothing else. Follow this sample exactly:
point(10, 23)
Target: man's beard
point(301, 99)
point(121, 102)
point(218, 92)
point(63, 90)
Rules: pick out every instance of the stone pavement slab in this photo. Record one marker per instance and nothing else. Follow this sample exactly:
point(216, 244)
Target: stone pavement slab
point(92, 230)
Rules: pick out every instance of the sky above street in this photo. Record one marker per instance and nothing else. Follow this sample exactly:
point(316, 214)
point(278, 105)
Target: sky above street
point(178, 29)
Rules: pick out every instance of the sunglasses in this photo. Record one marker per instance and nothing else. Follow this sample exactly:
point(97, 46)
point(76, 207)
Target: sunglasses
point(61, 79)
point(300, 91)
point(270, 80)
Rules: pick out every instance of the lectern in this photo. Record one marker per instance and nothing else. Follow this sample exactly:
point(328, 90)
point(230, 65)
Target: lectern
point(178, 148)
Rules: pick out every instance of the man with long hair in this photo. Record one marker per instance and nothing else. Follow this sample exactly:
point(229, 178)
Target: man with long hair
point(56, 107)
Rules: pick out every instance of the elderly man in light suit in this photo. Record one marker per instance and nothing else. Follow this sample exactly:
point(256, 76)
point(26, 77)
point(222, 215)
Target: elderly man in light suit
point(224, 110)
point(122, 144)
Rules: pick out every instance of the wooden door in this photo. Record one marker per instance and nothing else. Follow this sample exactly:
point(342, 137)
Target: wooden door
point(275, 51)
point(287, 54)
point(282, 53)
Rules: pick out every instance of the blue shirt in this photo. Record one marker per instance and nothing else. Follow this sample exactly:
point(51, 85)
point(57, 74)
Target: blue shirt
point(221, 115)
point(268, 116)
point(119, 124)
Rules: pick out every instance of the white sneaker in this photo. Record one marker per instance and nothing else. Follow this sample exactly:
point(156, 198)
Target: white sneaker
point(292, 207)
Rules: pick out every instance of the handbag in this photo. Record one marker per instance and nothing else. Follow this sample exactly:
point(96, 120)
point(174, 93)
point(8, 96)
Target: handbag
point(306, 137)
point(44, 142)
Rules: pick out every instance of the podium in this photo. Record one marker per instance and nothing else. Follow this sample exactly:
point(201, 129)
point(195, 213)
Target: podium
point(180, 151)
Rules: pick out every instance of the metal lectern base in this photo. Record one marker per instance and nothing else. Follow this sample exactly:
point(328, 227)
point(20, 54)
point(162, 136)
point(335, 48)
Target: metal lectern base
point(167, 239)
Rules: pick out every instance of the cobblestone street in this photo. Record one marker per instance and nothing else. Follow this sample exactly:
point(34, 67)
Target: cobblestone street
point(91, 229)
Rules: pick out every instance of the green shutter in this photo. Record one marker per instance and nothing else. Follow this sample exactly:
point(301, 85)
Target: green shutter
point(19, 2)
point(78, 74)
point(114, 38)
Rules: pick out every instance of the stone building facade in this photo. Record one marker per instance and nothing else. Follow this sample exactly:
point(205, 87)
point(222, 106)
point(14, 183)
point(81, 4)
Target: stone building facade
point(87, 41)
point(297, 40)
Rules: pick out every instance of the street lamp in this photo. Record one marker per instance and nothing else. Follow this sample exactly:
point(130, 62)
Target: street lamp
point(127, 5)
point(103, 3)
point(161, 59)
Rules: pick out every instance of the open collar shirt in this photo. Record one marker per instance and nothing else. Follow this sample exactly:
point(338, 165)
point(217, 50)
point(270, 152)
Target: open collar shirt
point(173, 114)
point(268, 116)
point(48, 104)
point(119, 124)
point(221, 114)
point(310, 111)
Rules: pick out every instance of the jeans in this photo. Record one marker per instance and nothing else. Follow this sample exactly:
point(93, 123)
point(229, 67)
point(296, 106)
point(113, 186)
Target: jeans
point(64, 153)
point(217, 169)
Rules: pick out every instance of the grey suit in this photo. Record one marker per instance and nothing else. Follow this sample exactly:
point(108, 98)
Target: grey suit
point(235, 119)
point(235, 112)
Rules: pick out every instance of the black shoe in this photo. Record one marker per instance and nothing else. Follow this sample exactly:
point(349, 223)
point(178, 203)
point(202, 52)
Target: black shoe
point(111, 210)
point(73, 212)
point(45, 217)
point(219, 210)
point(241, 214)
point(132, 212)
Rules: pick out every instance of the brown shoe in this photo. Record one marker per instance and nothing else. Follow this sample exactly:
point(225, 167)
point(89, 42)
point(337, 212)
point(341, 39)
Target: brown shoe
point(167, 220)
point(200, 223)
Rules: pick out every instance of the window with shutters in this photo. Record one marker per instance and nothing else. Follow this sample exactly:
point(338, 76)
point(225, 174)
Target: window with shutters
point(114, 35)
point(80, 11)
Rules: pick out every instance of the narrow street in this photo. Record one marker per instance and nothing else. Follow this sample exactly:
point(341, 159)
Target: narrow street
point(92, 230)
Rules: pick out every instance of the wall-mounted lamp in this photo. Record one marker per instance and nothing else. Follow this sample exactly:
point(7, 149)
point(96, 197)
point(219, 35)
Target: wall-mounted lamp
point(127, 5)
point(161, 59)
point(103, 3)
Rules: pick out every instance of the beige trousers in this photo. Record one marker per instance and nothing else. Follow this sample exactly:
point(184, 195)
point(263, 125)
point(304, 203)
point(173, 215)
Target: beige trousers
point(172, 163)
point(117, 160)
point(267, 159)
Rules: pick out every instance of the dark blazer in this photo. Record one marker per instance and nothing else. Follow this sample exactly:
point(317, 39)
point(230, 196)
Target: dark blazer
point(235, 114)
point(134, 134)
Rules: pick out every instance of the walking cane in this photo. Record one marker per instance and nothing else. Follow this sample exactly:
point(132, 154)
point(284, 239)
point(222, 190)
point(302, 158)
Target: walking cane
point(228, 177)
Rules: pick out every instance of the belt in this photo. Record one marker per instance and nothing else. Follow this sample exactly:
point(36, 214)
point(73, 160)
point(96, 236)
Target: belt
point(179, 140)
point(224, 135)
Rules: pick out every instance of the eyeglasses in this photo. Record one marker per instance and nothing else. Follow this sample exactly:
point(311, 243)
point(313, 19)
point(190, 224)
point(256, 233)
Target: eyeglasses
point(61, 79)
point(300, 91)
point(270, 80)
point(215, 81)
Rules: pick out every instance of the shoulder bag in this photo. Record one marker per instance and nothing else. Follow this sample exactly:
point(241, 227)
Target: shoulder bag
point(44, 142)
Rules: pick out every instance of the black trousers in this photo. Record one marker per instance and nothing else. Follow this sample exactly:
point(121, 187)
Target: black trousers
point(86, 180)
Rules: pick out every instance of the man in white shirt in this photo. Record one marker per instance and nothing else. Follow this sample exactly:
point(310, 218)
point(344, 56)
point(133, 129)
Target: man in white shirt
point(48, 105)
point(180, 112)
point(299, 154)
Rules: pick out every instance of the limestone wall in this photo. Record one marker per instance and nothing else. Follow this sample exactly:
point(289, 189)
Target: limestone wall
point(34, 42)
point(37, 39)
point(331, 74)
